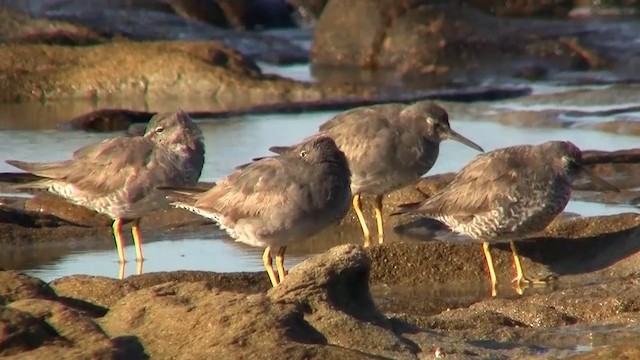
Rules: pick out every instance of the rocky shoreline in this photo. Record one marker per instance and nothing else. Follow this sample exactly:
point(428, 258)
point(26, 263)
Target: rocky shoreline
point(397, 300)
point(421, 295)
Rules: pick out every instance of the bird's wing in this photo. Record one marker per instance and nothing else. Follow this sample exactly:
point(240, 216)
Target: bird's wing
point(360, 132)
point(101, 167)
point(255, 189)
point(352, 130)
point(482, 185)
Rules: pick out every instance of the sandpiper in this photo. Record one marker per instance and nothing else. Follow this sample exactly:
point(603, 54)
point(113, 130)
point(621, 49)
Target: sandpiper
point(507, 194)
point(118, 176)
point(388, 146)
point(275, 201)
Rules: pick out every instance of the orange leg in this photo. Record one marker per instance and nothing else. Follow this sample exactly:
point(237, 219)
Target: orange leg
point(266, 259)
point(378, 211)
point(139, 267)
point(520, 279)
point(137, 240)
point(280, 263)
point(117, 234)
point(357, 206)
point(492, 272)
point(121, 268)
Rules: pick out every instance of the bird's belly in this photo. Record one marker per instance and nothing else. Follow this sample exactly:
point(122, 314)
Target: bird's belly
point(372, 184)
point(116, 205)
point(501, 225)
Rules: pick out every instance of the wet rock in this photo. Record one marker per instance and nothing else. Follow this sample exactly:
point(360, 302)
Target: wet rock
point(29, 219)
point(628, 351)
point(123, 119)
point(323, 309)
point(19, 28)
point(248, 325)
point(16, 286)
point(157, 20)
point(450, 42)
point(621, 126)
point(105, 120)
point(558, 8)
point(57, 206)
point(573, 249)
point(530, 319)
point(151, 69)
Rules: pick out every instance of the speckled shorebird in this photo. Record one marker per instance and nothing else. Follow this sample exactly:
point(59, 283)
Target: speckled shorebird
point(275, 201)
point(507, 194)
point(118, 177)
point(388, 146)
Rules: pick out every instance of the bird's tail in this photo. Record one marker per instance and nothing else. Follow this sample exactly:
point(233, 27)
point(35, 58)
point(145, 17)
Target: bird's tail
point(281, 149)
point(181, 196)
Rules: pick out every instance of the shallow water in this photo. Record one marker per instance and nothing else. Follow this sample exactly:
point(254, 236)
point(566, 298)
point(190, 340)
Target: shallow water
point(237, 140)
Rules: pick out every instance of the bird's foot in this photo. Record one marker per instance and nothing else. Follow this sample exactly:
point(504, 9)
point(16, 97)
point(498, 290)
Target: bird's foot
point(521, 282)
point(494, 290)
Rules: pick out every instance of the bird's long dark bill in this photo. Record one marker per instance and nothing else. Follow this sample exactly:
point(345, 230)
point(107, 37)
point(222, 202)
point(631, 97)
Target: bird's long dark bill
point(598, 181)
point(463, 140)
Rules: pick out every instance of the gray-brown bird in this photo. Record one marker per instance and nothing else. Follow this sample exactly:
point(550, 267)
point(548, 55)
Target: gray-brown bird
point(388, 146)
point(118, 177)
point(507, 194)
point(275, 201)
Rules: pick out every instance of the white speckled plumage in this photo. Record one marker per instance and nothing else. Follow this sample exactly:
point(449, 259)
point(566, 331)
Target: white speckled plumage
point(507, 194)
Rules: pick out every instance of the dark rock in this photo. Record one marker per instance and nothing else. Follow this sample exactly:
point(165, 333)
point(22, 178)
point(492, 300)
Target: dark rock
point(542, 8)
point(268, 14)
point(16, 286)
point(228, 14)
point(308, 10)
point(109, 120)
point(19, 28)
point(446, 43)
point(156, 20)
point(21, 332)
point(75, 335)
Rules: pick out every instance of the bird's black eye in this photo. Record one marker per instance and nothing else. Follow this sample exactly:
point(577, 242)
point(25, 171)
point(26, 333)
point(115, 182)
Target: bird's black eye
point(159, 129)
point(303, 153)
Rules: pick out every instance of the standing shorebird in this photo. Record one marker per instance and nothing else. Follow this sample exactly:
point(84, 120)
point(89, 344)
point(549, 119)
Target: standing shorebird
point(118, 177)
point(388, 146)
point(507, 194)
point(275, 201)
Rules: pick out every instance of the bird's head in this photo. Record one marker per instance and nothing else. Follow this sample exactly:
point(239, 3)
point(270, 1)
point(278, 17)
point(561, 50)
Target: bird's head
point(434, 121)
